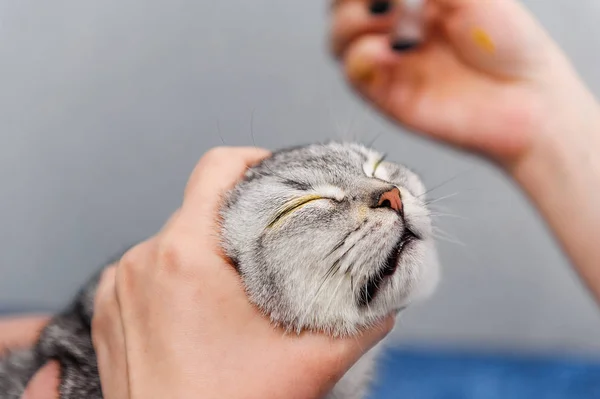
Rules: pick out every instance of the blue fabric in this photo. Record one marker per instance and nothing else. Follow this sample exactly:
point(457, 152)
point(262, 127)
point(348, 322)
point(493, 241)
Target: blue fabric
point(413, 374)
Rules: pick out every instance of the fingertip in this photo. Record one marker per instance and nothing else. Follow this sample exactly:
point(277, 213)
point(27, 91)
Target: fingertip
point(220, 167)
point(363, 60)
point(251, 155)
point(45, 383)
point(369, 65)
point(376, 333)
point(382, 329)
point(353, 19)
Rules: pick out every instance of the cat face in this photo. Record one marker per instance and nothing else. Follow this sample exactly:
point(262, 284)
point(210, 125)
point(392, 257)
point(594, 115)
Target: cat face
point(330, 237)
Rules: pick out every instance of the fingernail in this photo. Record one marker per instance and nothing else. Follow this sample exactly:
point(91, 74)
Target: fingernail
point(404, 45)
point(380, 7)
point(483, 40)
point(361, 71)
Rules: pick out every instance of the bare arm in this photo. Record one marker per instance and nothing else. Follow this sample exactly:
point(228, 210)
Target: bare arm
point(488, 78)
point(562, 178)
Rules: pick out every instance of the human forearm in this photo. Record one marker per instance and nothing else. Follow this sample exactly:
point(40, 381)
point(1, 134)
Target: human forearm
point(561, 175)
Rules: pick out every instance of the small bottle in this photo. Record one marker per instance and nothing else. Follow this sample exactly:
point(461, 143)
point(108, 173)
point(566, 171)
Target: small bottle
point(409, 29)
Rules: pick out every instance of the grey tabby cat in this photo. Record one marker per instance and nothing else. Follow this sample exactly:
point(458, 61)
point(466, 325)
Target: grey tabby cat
point(327, 237)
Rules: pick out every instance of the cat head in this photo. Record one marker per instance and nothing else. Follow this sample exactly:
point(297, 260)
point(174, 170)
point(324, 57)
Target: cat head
point(330, 237)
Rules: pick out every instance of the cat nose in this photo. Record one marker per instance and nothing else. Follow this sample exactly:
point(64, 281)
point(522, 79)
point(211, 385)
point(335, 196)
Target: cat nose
point(391, 199)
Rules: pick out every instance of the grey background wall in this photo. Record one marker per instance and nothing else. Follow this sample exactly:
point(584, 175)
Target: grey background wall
point(105, 107)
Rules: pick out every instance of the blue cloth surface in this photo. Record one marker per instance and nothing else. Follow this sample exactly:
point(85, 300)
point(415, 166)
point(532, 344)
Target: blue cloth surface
point(414, 374)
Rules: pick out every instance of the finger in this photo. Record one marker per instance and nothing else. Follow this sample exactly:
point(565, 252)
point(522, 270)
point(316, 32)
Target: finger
point(20, 331)
point(376, 72)
point(109, 339)
point(355, 347)
point(218, 171)
point(498, 37)
point(458, 5)
point(222, 166)
point(44, 384)
point(335, 356)
point(355, 18)
point(371, 337)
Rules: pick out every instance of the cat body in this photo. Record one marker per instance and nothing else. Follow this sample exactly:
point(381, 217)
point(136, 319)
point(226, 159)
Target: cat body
point(326, 237)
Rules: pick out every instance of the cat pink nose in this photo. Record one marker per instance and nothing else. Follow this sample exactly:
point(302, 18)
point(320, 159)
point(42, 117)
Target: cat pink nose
point(391, 199)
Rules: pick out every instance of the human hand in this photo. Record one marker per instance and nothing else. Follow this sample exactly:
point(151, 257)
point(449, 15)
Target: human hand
point(487, 78)
point(22, 332)
point(172, 319)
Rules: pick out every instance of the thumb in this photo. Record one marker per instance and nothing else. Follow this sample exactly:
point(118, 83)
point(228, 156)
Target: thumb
point(498, 37)
point(44, 384)
point(330, 358)
point(370, 338)
point(341, 354)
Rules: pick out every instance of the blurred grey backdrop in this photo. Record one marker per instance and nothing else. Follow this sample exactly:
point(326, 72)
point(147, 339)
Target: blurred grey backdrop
point(105, 107)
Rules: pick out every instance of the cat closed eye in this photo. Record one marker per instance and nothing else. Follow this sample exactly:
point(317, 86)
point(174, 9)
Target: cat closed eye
point(294, 205)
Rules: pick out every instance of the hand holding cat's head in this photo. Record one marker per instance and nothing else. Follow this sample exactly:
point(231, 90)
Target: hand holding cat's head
point(330, 237)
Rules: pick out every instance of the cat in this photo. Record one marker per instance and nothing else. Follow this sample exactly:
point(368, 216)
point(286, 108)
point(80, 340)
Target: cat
point(326, 237)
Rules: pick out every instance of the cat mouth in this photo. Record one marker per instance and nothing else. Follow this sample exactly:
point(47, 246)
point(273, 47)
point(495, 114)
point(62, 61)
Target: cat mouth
point(388, 269)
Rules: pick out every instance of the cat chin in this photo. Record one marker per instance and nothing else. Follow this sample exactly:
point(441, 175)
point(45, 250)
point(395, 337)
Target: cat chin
point(420, 289)
point(429, 275)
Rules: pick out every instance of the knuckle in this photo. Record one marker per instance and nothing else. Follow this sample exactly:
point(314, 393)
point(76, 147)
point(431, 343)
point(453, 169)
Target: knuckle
point(130, 261)
point(130, 267)
point(171, 253)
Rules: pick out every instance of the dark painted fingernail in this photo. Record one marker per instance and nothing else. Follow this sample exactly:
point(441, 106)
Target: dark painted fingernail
point(404, 45)
point(380, 7)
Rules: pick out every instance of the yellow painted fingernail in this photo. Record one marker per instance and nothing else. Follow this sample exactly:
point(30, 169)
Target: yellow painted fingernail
point(362, 71)
point(483, 40)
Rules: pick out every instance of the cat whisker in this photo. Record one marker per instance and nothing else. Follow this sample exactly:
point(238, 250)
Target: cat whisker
point(340, 243)
point(440, 207)
point(450, 241)
point(448, 215)
point(334, 293)
point(254, 144)
point(443, 236)
point(443, 183)
point(367, 298)
point(335, 267)
point(377, 136)
point(435, 200)
point(337, 127)
point(219, 132)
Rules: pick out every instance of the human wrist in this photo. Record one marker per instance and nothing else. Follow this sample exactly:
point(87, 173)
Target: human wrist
point(561, 173)
point(563, 115)
point(560, 161)
point(568, 137)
